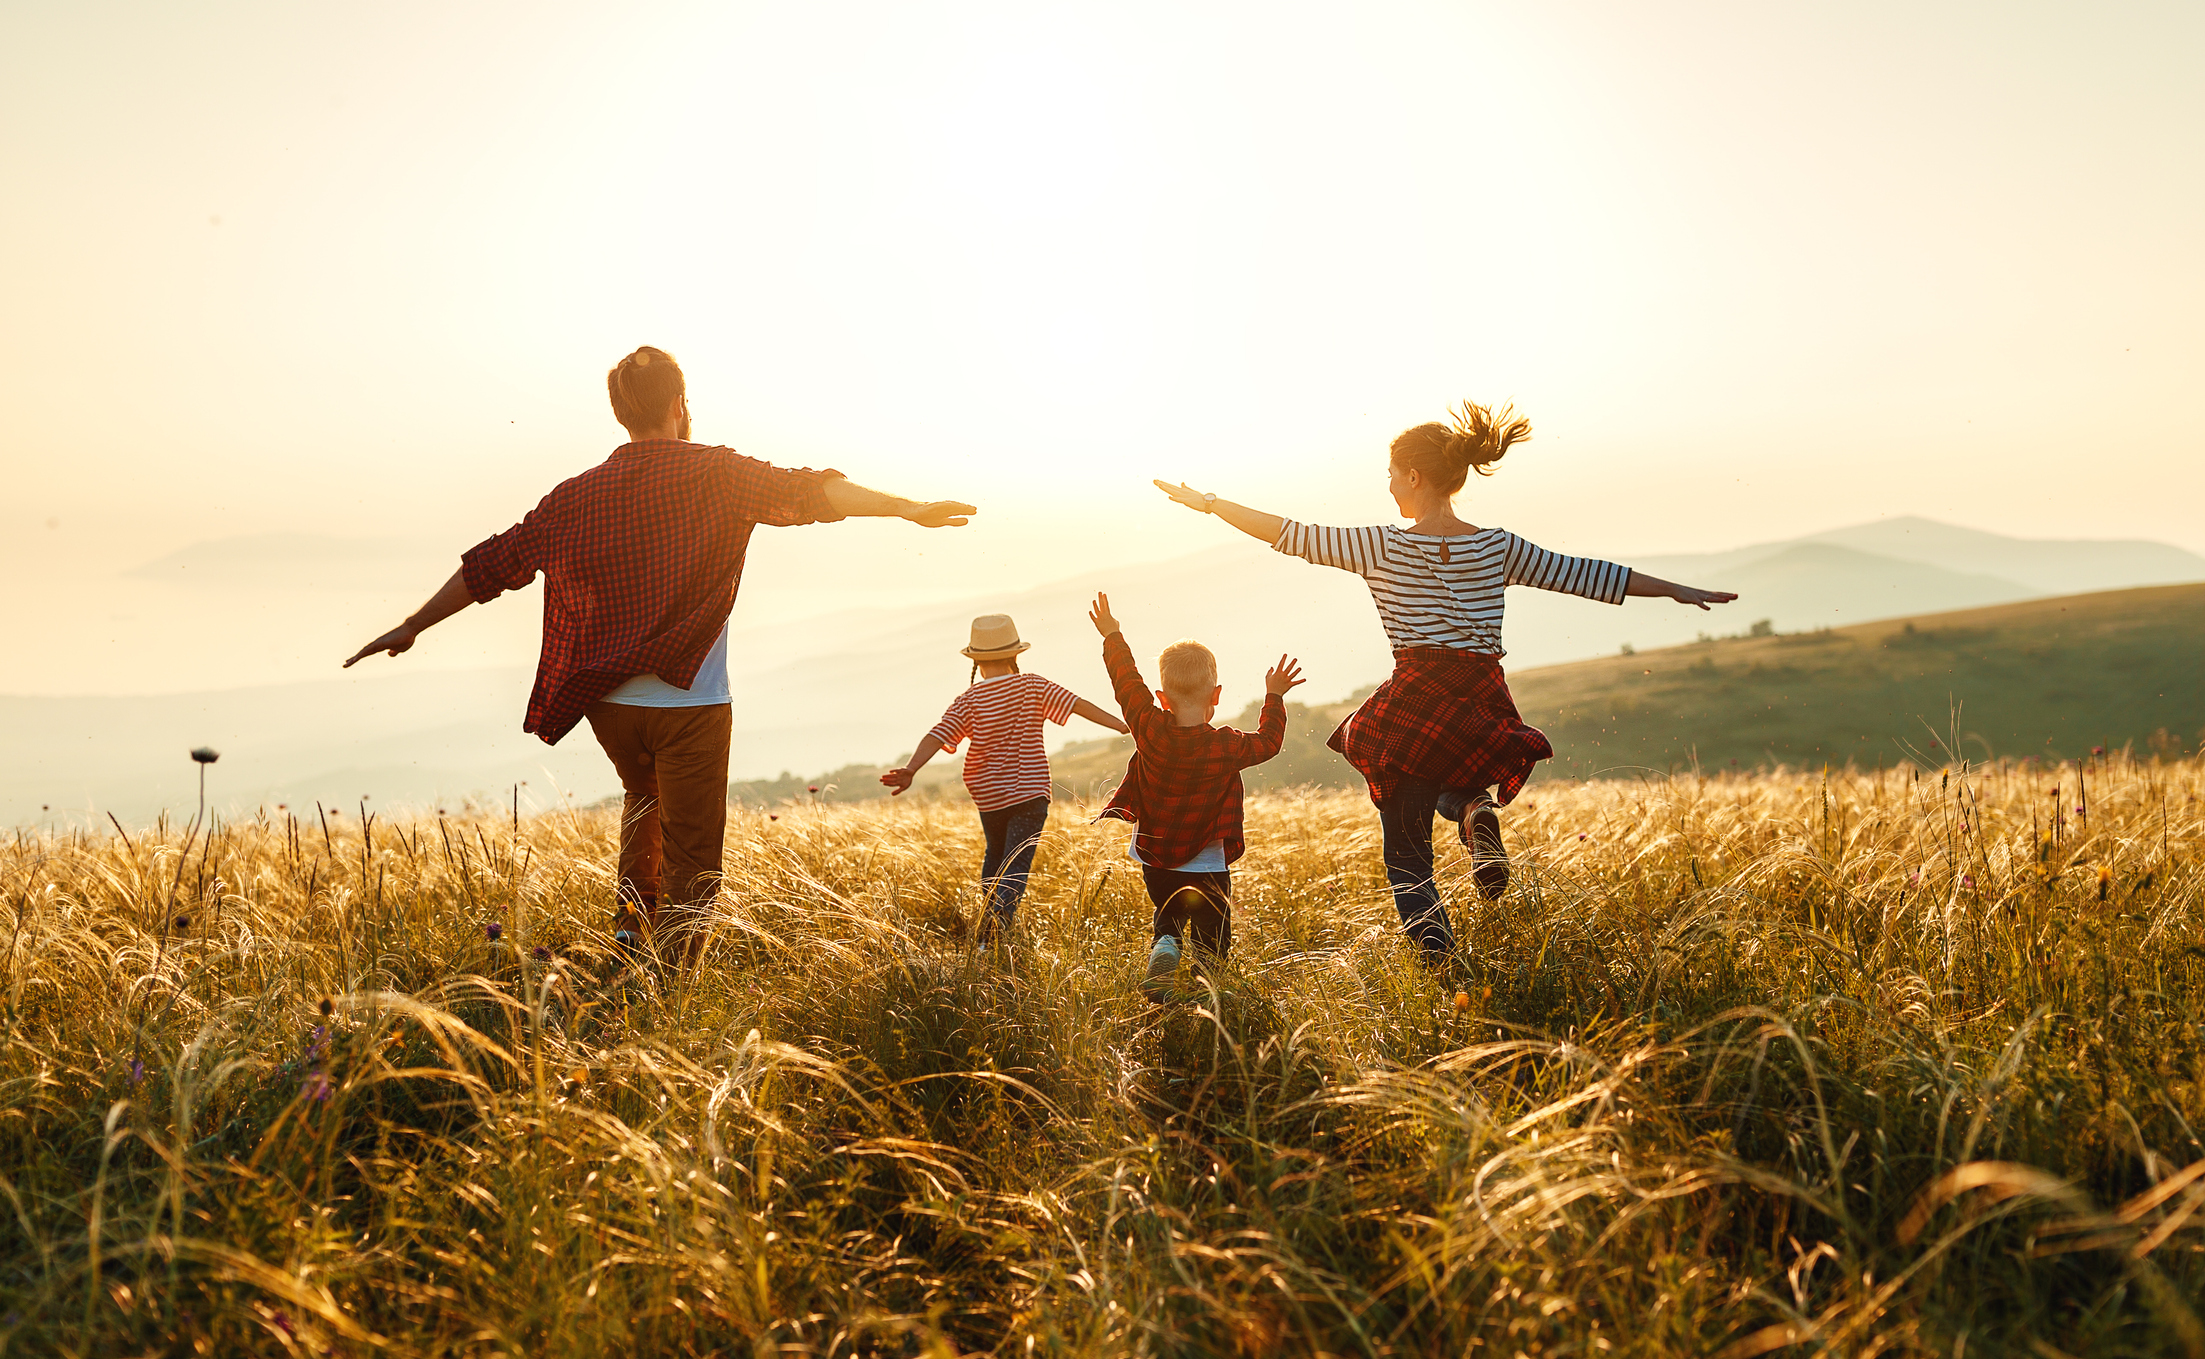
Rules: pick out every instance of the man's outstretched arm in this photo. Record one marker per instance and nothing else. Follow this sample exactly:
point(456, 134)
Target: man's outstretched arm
point(448, 600)
point(858, 502)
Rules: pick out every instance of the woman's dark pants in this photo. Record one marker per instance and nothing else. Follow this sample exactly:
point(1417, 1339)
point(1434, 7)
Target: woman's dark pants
point(1012, 833)
point(1406, 820)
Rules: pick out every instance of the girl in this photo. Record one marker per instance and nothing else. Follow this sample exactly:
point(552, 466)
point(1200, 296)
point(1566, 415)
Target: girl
point(1442, 730)
point(1006, 771)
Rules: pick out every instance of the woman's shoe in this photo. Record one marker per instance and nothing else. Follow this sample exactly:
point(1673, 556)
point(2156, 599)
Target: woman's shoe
point(1481, 833)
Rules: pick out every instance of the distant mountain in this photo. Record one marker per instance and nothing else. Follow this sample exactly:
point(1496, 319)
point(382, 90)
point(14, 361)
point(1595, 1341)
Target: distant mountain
point(2044, 566)
point(2050, 678)
point(854, 687)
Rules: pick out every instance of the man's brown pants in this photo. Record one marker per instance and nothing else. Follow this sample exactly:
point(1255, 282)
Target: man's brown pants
point(673, 823)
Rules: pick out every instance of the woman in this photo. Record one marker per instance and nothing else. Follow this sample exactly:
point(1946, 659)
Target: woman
point(1442, 730)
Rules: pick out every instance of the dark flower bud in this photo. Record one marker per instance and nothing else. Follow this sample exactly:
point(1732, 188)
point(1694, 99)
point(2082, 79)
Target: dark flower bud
point(492, 930)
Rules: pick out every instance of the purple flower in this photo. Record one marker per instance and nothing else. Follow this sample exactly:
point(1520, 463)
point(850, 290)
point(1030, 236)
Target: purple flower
point(542, 954)
point(2097, 750)
point(317, 1087)
point(1967, 880)
point(283, 1323)
point(492, 930)
point(137, 1071)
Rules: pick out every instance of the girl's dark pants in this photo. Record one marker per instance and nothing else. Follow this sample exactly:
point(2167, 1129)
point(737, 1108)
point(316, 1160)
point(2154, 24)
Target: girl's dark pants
point(1406, 820)
point(1012, 832)
point(1194, 908)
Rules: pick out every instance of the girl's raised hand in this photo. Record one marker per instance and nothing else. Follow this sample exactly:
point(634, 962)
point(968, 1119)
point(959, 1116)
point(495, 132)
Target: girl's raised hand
point(1283, 676)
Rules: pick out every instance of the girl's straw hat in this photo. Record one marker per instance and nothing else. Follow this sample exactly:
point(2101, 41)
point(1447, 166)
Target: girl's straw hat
point(994, 638)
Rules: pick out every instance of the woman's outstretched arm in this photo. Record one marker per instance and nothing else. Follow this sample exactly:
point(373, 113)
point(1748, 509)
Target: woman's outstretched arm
point(1643, 584)
point(1254, 523)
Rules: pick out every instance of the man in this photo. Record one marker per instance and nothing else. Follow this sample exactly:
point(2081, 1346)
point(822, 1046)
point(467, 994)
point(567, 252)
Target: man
point(641, 557)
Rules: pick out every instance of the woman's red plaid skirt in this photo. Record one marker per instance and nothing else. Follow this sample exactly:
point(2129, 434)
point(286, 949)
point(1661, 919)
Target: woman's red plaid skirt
point(1443, 715)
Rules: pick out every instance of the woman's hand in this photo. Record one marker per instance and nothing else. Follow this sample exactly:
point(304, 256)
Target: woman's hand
point(1185, 495)
point(1687, 594)
point(1099, 615)
point(1644, 586)
point(1283, 676)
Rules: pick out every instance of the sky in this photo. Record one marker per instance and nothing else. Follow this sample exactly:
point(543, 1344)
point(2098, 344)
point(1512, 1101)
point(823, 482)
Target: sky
point(1752, 269)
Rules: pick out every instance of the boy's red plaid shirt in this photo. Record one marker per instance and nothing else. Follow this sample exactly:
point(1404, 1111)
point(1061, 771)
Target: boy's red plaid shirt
point(1182, 786)
point(641, 557)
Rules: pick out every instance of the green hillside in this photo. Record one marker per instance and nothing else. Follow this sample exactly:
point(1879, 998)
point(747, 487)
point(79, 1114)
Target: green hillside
point(2049, 677)
point(2046, 677)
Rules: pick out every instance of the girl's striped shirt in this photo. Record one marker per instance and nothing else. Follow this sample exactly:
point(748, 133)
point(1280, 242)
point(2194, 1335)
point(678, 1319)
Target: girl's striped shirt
point(1002, 718)
point(1447, 591)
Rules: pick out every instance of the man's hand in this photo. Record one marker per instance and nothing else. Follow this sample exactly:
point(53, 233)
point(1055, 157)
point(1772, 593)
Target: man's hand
point(940, 514)
point(1283, 676)
point(1099, 615)
point(1687, 594)
point(398, 639)
point(898, 779)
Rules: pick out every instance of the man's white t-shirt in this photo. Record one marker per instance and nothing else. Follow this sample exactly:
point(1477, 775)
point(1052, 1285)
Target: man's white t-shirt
point(649, 691)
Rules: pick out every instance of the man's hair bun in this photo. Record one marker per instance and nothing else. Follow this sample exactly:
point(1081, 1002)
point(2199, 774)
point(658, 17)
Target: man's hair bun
point(1474, 437)
point(644, 386)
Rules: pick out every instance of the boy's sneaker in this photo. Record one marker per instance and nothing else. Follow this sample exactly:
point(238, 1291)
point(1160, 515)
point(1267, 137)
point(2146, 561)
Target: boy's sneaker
point(1163, 969)
point(1481, 835)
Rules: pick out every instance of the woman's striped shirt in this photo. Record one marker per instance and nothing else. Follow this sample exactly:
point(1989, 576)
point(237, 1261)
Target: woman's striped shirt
point(1002, 718)
point(1439, 591)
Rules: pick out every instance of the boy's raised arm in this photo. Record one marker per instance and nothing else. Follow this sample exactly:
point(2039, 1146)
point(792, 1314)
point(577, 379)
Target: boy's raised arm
point(1270, 732)
point(1125, 677)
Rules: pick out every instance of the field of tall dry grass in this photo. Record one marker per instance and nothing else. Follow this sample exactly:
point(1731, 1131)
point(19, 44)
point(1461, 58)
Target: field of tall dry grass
point(1781, 1064)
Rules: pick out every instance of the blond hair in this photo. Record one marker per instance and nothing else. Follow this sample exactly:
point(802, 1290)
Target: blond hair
point(644, 386)
point(1475, 436)
point(1187, 670)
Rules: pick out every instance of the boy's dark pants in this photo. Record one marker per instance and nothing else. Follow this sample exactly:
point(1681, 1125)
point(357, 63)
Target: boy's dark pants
point(673, 823)
point(1195, 908)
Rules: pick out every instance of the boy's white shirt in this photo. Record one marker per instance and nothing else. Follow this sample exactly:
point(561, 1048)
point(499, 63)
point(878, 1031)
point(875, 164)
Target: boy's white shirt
point(1210, 860)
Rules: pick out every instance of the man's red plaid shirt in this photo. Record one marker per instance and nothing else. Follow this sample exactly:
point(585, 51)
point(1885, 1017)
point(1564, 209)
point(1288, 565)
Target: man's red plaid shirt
point(1182, 787)
point(641, 557)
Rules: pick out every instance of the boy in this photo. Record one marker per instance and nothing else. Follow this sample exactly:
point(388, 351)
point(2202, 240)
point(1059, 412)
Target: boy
point(1182, 788)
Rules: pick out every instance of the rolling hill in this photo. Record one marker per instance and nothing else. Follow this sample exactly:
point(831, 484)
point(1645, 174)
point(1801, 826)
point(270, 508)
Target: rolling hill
point(843, 686)
point(2050, 678)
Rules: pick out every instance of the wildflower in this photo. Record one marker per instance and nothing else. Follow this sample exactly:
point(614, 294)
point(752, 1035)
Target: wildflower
point(183, 922)
point(1914, 879)
point(283, 1323)
point(773, 816)
point(206, 754)
point(328, 1007)
point(2097, 750)
point(317, 1087)
point(1580, 836)
point(541, 954)
point(137, 1071)
point(492, 930)
point(812, 789)
point(1967, 880)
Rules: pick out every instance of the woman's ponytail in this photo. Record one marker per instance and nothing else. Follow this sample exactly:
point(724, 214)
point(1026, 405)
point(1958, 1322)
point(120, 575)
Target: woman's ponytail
point(1474, 437)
